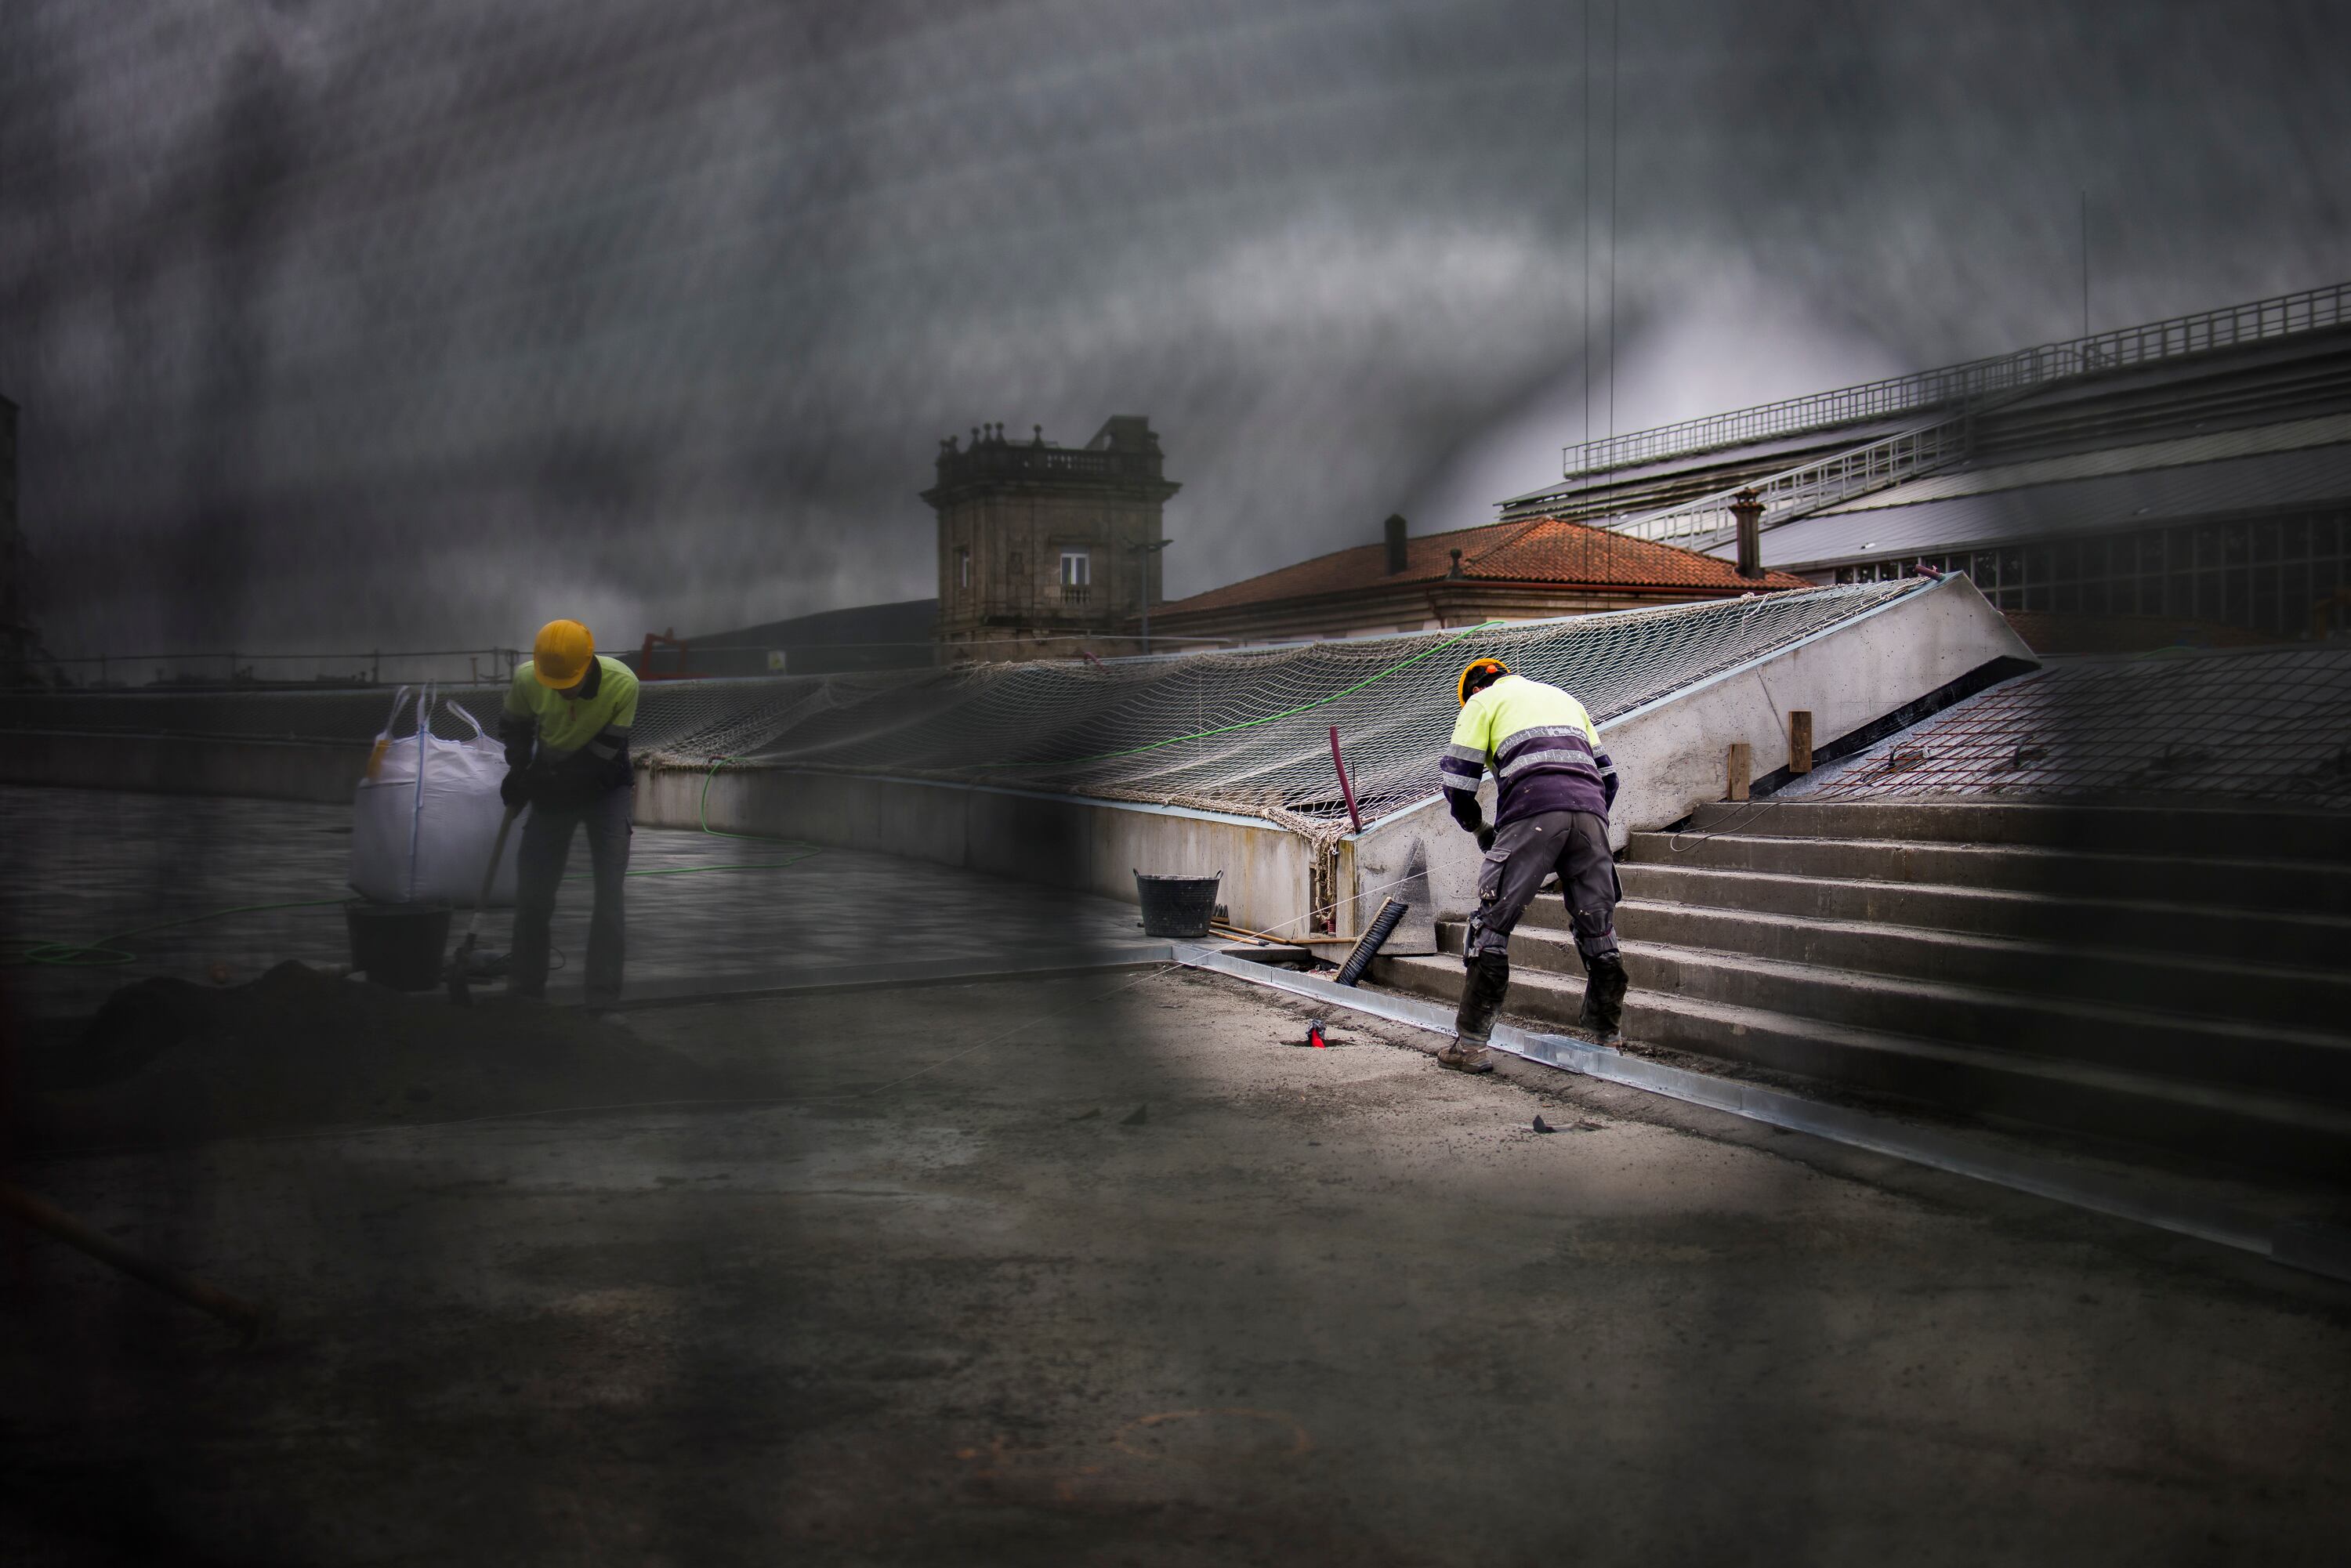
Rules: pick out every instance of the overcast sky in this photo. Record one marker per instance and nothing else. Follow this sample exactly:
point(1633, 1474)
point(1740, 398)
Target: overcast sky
point(410, 323)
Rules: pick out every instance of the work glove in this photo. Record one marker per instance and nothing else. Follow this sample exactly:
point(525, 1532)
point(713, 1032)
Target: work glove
point(514, 789)
point(1465, 809)
point(1485, 838)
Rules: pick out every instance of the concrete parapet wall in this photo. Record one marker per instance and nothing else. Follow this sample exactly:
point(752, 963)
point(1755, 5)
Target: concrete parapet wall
point(183, 765)
point(1092, 845)
point(1096, 846)
point(1671, 755)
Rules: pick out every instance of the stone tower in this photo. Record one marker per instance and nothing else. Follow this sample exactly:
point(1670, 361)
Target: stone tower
point(1046, 551)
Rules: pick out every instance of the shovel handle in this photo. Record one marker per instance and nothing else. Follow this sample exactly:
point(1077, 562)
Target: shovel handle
point(490, 871)
point(42, 1215)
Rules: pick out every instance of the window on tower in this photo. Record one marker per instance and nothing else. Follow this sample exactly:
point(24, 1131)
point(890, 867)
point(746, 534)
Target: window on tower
point(963, 566)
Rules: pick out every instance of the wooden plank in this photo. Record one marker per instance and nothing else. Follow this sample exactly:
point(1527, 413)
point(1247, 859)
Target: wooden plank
point(1742, 770)
point(1800, 740)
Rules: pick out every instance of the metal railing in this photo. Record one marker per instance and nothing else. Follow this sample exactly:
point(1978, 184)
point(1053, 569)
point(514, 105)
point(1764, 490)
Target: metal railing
point(2311, 310)
point(1793, 493)
point(239, 671)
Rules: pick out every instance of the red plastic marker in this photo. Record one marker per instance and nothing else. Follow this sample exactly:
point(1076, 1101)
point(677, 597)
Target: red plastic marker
point(1314, 1037)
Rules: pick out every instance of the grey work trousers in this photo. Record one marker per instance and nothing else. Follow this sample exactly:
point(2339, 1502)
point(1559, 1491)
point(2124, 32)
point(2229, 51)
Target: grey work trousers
point(538, 872)
point(1572, 843)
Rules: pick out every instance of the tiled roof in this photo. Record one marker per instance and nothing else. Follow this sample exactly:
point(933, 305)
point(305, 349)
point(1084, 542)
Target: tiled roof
point(1547, 550)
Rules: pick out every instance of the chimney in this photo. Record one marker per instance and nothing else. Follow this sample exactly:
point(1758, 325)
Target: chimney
point(1748, 511)
point(1455, 572)
point(1397, 555)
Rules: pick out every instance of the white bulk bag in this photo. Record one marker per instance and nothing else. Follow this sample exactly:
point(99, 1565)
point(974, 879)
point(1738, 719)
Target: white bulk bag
point(428, 845)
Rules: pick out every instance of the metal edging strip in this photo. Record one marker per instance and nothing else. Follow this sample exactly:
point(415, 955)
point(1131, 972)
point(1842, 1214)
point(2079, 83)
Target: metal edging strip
point(2316, 1248)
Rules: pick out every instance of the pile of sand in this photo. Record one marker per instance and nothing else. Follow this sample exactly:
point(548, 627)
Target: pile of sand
point(165, 1062)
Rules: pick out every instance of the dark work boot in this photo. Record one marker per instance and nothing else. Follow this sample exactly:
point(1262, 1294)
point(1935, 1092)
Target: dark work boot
point(1482, 989)
point(1603, 998)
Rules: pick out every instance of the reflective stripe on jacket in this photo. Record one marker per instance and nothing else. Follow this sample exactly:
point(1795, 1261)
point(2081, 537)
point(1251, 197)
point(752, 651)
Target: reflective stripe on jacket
point(1541, 746)
point(598, 725)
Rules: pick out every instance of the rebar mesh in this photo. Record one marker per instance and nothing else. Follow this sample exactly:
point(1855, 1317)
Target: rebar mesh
point(1244, 732)
point(2261, 724)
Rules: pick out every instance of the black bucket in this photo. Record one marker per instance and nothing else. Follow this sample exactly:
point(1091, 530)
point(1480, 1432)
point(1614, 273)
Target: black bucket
point(397, 944)
point(1178, 905)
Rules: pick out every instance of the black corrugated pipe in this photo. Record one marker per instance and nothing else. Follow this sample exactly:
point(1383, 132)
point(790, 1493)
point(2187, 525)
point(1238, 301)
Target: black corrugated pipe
point(1375, 936)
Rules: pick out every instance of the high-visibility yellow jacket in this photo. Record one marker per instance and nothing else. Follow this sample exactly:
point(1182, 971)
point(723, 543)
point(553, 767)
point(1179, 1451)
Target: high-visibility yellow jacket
point(1541, 745)
point(584, 739)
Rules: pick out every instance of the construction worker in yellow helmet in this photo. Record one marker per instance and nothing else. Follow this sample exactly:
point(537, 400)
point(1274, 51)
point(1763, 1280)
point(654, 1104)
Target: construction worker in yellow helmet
point(565, 727)
point(1554, 786)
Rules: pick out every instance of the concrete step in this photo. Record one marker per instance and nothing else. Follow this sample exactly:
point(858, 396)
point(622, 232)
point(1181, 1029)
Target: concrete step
point(2314, 999)
point(2250, 1125)
point(2259, 1055)
point(2258, 935)
point(2308, 888)
point(2203, 831)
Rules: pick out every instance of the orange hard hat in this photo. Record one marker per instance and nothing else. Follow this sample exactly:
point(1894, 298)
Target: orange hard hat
point(560, 654)
point(1491, 669)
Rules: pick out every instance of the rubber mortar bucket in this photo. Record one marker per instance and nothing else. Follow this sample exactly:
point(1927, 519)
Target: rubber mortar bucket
point(1178, 905)
point(397, 944)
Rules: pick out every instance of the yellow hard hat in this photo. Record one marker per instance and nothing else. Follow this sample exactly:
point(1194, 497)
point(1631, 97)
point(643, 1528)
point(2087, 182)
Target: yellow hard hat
point(1493, 667)
point(560, 654)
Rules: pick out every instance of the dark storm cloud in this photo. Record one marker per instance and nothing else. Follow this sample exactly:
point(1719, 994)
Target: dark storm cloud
point(417, 322)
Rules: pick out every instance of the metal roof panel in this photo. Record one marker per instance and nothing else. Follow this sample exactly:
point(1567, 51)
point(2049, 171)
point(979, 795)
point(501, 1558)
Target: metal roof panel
point(2050, 509)
point(2286, 435)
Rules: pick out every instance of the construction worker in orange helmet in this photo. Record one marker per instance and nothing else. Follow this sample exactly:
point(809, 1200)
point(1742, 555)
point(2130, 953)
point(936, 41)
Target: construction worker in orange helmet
point(569, 710)
point(1554, 786)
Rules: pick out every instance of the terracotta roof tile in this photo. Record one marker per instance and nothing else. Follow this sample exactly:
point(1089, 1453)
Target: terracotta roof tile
point(1549, 551)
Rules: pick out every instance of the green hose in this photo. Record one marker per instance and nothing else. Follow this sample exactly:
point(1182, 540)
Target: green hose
point(1377, 676)
point(723, 833)
point(1430, 652)
point(717, 832)
point(689, 870)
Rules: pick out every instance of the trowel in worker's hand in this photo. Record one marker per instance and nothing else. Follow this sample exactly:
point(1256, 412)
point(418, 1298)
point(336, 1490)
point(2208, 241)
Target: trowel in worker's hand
point(461, 963)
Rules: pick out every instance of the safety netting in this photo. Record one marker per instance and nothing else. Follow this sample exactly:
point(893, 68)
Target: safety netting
point(1244, 731)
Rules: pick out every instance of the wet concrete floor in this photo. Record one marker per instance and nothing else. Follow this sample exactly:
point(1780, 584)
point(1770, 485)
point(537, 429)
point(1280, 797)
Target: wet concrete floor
point(85, 864)
point(1104, 1270)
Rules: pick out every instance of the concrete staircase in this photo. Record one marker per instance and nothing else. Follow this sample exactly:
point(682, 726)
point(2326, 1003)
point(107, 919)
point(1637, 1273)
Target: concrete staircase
point(2178, 977)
